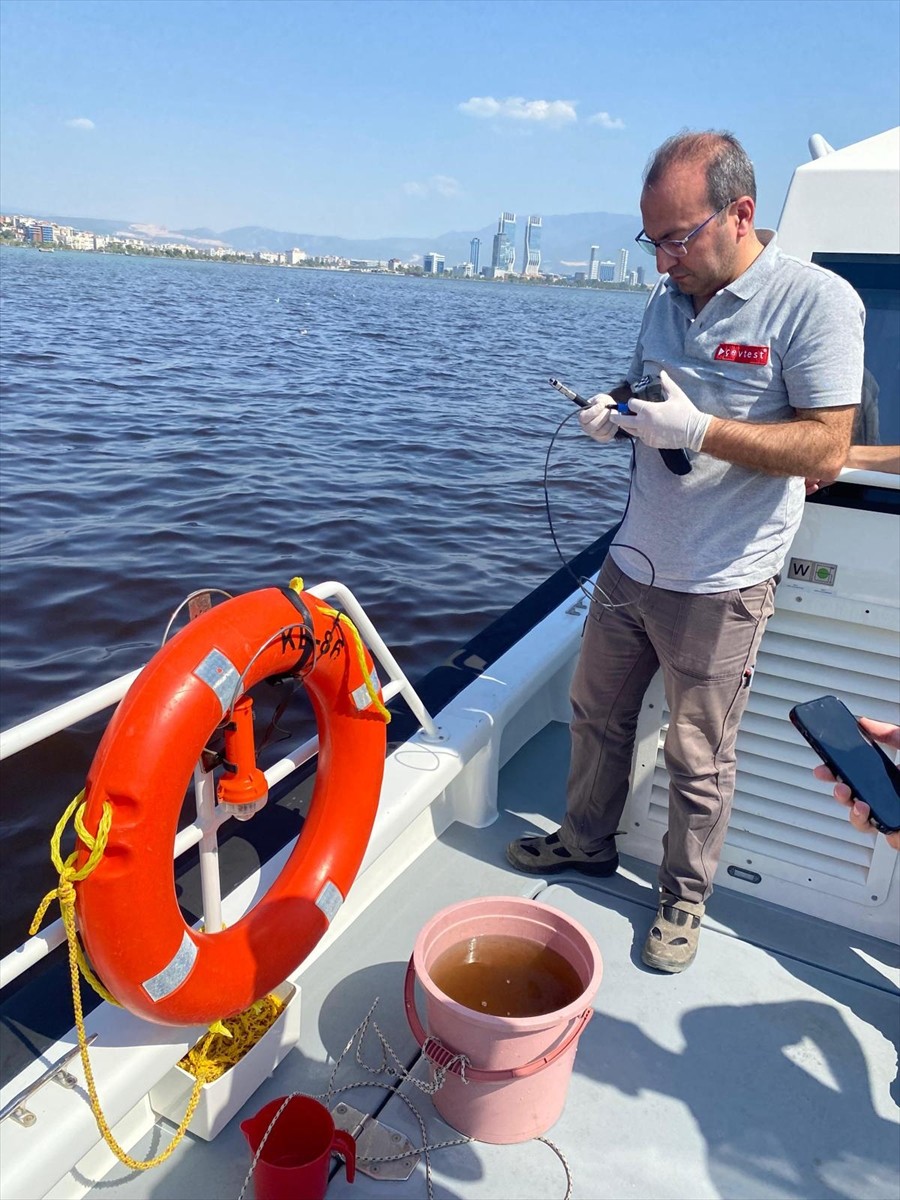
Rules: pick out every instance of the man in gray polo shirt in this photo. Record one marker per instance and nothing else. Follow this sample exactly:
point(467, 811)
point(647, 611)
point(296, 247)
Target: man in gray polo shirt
point(760, 358)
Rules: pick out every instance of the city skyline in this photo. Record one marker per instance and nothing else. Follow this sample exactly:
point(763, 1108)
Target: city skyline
point(507, 231)
point(371, 118)
point(46, 232)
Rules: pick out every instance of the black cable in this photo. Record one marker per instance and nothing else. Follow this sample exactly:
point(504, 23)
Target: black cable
point(606, 602)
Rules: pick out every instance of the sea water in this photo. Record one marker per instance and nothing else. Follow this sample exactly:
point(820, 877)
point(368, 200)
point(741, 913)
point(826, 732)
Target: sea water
point(169, 426)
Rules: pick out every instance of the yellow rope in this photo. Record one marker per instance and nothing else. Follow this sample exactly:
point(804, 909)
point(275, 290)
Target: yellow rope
point(68, 876)
point(65, 893)
point(296, 585)
point(231, 1039)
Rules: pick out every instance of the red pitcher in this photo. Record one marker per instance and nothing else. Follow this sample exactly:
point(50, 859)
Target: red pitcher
point(296, 1155)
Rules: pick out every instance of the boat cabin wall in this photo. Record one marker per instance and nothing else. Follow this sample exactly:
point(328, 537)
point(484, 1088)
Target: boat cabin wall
point(835, 630)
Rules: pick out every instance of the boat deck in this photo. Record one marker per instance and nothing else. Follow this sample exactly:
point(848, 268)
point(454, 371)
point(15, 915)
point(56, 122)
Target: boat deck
point(769, 1069)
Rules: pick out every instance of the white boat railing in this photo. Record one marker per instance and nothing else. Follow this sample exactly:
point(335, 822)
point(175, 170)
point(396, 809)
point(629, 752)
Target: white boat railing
point(210, 815)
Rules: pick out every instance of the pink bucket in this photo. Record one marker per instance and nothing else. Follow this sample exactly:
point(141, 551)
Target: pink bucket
point(514, 1085)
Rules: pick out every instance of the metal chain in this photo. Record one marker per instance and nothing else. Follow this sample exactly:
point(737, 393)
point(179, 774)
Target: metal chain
point(403, 1075)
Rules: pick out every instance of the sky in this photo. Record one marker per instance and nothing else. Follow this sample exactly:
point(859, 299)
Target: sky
point(415, 117)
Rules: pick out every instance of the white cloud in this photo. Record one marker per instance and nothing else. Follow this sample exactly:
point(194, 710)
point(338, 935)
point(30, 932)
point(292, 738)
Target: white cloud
point(84, 123)
point(445, 185)
point(436, 185)
point(515, 108)
point(607, 122)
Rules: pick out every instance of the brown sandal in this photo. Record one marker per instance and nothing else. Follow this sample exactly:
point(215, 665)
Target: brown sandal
point(671, 944)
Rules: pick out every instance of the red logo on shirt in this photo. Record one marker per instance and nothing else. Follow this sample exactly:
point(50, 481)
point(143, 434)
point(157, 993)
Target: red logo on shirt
point(732, 352)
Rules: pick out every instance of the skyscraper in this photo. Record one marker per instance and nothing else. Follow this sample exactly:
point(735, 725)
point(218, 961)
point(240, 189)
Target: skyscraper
point(621, 266)
point(594, 268)
point(532, 264)
point(474, 254)
point(504, 256)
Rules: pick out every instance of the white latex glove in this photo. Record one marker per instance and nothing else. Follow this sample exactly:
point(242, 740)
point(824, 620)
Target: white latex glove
point(671, 424)
point(595, 419)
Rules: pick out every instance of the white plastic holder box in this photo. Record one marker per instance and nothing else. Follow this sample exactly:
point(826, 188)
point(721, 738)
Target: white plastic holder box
point(223, 1097)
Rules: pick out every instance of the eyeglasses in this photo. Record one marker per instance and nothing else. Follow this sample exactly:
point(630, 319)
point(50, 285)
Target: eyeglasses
point(671, 247)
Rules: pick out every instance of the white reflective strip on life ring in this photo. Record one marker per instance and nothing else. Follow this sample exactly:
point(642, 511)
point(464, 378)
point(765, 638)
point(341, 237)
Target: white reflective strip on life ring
point(222, 676)
point(329, 900)
point(175, 973)
point(361, 697)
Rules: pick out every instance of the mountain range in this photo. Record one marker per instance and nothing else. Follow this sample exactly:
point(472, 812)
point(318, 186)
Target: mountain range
point(566, 239)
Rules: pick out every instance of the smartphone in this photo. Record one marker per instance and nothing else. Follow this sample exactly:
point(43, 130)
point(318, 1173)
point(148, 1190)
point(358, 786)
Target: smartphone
point(649, 388)
point(832, 731)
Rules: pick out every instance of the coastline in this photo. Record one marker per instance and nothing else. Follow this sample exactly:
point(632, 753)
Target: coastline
point(247, 260)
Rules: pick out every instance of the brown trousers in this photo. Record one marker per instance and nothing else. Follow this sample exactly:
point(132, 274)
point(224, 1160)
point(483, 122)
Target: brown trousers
point(706, 645)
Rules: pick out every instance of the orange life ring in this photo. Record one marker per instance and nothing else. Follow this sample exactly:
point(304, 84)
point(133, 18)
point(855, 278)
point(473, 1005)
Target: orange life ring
point(132, 928)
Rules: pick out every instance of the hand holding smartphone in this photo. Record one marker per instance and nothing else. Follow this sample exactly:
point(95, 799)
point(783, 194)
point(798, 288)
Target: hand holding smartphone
point(834, 734)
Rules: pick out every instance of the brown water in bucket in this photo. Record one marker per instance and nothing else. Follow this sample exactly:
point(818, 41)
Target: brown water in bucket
point(512, 1083)
point(506, 976)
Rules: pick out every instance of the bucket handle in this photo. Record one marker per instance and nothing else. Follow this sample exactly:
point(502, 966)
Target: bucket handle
point(440, 1056)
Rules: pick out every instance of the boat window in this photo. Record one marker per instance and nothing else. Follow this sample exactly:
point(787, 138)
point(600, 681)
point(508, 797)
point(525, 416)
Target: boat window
point(876, 278)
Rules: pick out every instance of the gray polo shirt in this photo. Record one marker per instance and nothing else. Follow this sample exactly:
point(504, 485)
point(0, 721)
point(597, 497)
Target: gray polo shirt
point(785, 335)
